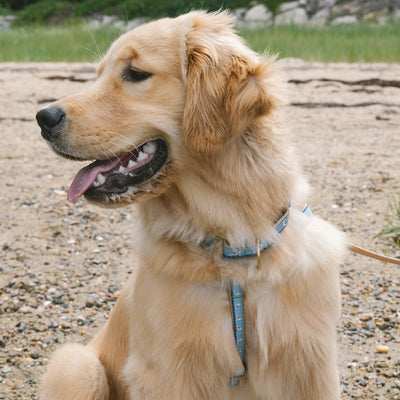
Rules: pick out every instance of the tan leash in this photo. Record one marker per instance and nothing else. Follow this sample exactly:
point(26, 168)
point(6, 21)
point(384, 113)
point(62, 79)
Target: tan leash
point(371, 254)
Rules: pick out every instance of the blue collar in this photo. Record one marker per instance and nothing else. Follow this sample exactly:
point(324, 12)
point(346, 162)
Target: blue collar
point(247, 251)
point(254, 250)
point(236, 295)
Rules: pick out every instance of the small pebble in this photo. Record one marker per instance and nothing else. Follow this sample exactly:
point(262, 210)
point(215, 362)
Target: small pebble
point(380, 348)
point(365, 316)
point(47, 303)
point(6, 369)
point(370, 325)
point(382, 364)
point(25, 309)
point(53, 324)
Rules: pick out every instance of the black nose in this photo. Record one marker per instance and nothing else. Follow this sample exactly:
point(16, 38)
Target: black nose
point(51, 120)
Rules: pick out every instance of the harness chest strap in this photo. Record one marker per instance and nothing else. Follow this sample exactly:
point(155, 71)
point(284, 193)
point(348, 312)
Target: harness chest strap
point(236, 294)
point(238, 325)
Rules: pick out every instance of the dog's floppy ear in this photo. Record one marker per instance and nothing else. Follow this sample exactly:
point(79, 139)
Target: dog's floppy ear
point(226, 85)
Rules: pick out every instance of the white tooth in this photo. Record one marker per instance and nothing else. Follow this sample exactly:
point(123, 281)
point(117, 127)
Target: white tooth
point(150, 147)
point(100, 179)
point(122, 169)
point(96, 184)
point(141, 156)
point(132, 164)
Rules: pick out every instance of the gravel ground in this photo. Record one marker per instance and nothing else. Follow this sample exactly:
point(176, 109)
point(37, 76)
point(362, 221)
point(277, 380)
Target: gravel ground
point(62, 266)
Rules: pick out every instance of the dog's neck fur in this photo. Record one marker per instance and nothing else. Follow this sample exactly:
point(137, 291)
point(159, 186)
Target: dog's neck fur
point(229, 183)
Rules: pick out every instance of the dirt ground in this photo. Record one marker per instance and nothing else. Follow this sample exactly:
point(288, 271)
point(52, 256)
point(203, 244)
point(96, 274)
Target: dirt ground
point(62, 265)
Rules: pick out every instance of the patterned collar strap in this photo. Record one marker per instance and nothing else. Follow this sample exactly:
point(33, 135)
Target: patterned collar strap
point(230, 252)
point(238, 324)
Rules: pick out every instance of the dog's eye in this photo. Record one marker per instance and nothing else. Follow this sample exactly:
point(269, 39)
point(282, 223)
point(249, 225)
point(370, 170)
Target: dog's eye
point(136, 75)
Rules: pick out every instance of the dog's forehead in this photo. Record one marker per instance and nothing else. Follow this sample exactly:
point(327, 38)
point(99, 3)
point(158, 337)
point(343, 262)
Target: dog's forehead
point(155, 45)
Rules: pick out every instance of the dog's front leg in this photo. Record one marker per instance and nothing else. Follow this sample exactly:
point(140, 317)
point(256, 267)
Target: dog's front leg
point(75, 373)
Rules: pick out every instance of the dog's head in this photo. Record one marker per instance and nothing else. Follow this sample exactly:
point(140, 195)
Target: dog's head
point(171, 87)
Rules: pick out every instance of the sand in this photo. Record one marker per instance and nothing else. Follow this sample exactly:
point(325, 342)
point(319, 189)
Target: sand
point(62, 265)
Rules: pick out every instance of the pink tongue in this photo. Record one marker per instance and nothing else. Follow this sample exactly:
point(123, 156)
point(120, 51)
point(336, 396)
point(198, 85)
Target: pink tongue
point(87, 175)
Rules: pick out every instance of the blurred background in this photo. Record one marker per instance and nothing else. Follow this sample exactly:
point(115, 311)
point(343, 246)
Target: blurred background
point(324, 30)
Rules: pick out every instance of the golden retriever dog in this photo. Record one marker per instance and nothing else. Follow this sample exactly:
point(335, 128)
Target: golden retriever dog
point(184, 120)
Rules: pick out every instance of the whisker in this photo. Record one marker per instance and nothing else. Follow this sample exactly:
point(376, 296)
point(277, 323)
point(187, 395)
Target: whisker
point(104, 149)
point(119, 138)
point(96, 57)
point(116, 140)
point(100, 55)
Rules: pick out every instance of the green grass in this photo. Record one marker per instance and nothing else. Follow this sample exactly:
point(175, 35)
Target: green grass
point(65, 43)
point(364, 42)
point(392, 228)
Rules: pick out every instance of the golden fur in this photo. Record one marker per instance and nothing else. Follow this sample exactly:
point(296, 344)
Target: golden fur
point(229, 173)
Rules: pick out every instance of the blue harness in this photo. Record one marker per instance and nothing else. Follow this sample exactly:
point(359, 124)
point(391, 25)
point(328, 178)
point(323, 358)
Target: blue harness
point(238, 324)
point(236, 290)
